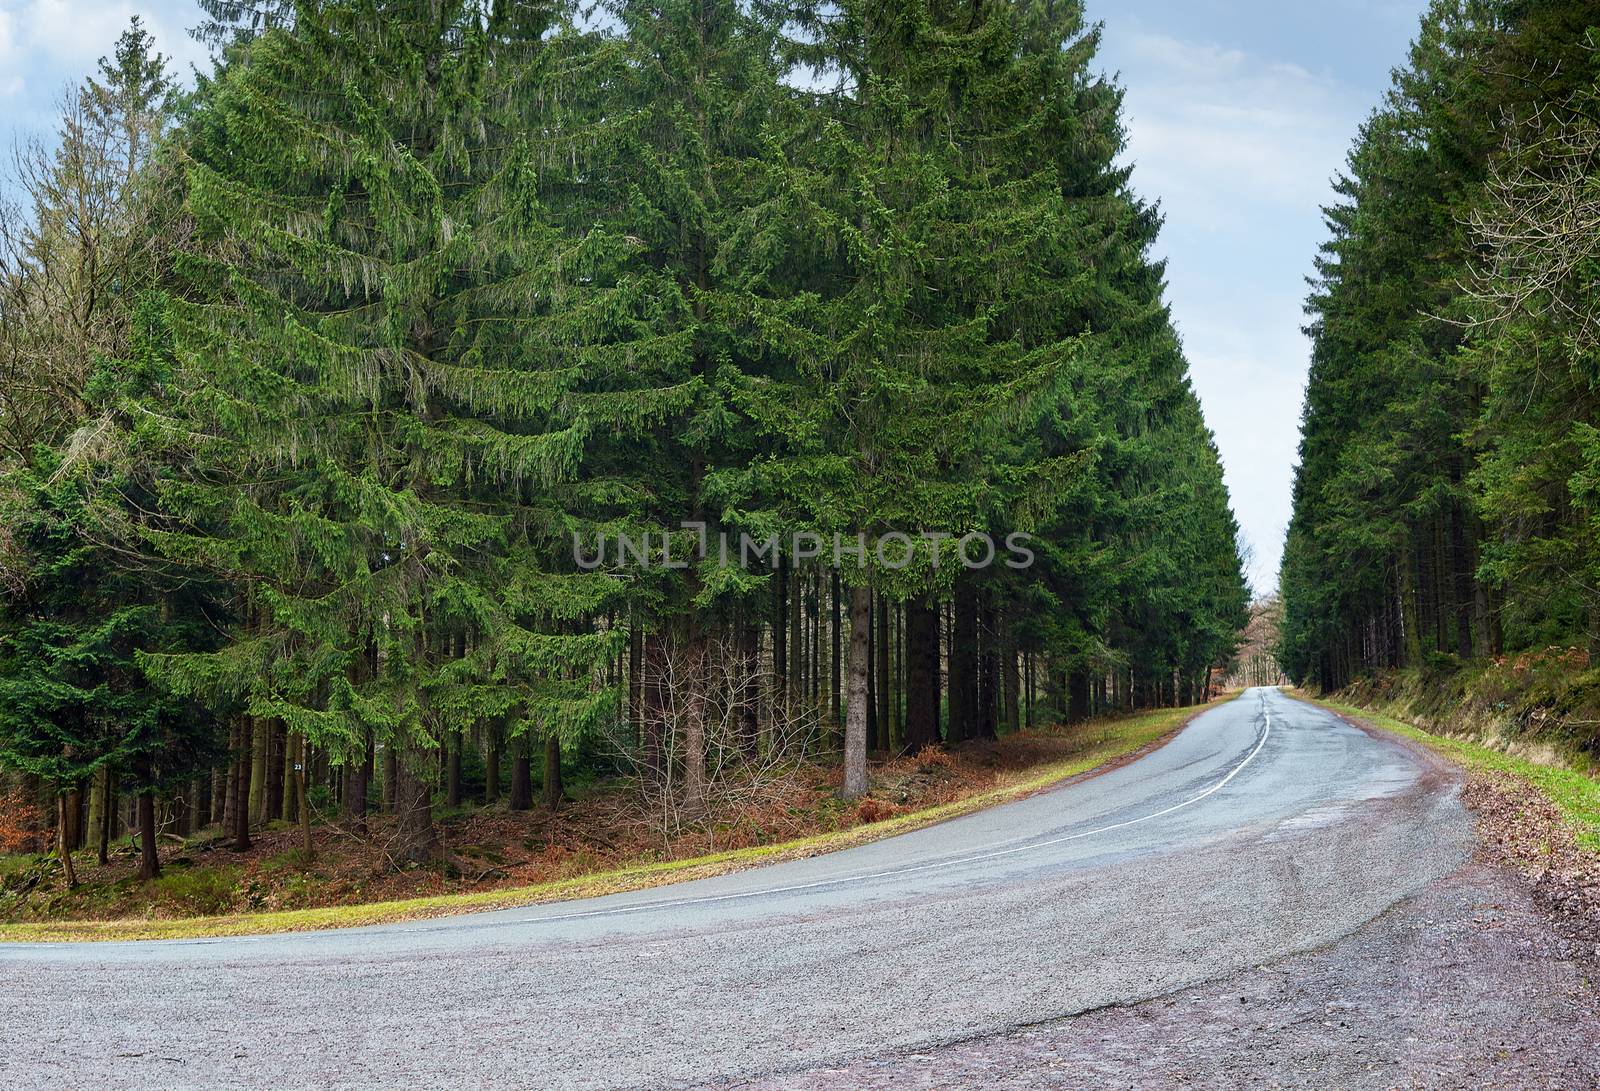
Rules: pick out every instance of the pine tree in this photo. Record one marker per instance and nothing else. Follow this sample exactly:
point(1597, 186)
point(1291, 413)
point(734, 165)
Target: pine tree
point(949, 343)
point(1388, 562)
point(378, 452)
point(75, 701)
point(678, 252)
point(428, 295)
point(80, 606)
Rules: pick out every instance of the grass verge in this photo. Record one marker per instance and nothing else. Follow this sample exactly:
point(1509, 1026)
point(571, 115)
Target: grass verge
point(1109, 741)
point(1576, 795)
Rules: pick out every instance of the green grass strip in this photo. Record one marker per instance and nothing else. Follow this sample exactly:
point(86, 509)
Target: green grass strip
point(1576, 795)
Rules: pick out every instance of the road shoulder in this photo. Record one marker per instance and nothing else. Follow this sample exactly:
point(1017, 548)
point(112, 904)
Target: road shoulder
point(1487, 977)
point(1464, 985)
point(1536, 821)
point(1108, 744)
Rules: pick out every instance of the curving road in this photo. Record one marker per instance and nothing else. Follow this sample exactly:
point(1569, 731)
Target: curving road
point(1267, 827)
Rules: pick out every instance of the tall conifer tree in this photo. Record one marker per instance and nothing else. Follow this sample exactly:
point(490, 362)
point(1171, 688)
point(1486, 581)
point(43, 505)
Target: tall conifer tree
point(377, 448)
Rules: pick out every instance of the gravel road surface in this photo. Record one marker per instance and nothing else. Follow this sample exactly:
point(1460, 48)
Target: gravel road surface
point(1267, 829)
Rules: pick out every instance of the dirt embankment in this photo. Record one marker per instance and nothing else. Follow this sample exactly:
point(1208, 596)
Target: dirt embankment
point(1541, 705)
point(1522, 727)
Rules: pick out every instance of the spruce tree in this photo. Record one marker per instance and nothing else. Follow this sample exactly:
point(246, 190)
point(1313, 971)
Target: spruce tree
point(960, 314)
point(80, 604)
point(378, 452)
point(1389, 562)
point(677, 255)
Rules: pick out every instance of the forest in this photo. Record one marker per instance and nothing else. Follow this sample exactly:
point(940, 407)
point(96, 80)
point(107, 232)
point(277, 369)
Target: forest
point(323, 375)
point(1446, 499)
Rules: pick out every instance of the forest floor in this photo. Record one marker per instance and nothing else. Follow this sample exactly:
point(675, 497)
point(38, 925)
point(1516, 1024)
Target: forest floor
point(601, 842)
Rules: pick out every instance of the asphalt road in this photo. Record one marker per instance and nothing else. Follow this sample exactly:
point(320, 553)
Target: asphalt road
point(1266, 828)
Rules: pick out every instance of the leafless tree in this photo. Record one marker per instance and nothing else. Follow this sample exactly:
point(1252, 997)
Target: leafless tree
point(1540, 228)
point(76, 248)
point(702, 696)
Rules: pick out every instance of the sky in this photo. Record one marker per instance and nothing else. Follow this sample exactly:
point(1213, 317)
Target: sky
point(1238, 113)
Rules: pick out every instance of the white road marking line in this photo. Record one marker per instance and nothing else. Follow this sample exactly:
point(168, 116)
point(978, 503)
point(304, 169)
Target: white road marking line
point(673, 903)
point(978, 857)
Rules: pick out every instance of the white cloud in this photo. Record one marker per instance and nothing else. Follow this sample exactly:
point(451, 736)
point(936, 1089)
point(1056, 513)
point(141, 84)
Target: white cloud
point(48, 44)
point(73, 34)
point(1239, 149)
point(11, 80)
point(1209, 126)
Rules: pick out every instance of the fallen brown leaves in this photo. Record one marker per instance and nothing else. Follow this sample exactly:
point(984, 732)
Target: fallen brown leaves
point(19, 822)
point(495, 848)
point(1522, 829)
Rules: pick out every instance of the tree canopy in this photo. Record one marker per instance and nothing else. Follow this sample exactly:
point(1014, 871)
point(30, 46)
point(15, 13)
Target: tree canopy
point(1441, 505)
point(449, 344)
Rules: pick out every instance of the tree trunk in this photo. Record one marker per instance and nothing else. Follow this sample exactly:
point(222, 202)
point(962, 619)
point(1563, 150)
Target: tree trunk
point(280, 756)
point(749, 683)
point(97, 801)
point(988, 671)
point(1027, 689)
point(694, 717)
point(855, 719)
point(521, 782)
point(289, 808)
point(1496, 636)
point(301, 771)
point(838, 632)
point(882, 741)
point(655, 706)
point(491, 766)
point(241, 789)
point(1411, 637)
point(355, 791)
point(814, 685)
point(1077, 696)
point(72, 825)
point(1011, 692)
point(964, 665)
point(1462, 560)
point(797, 642)
point(391, 776)
point(452, 774)
point(872, 678)
point(897, 675)
point(415, 839)
point(635, 689)
point(108, 817)
point(219, 797)
point(256, 791)
point(149, 859)
point(922, 675)
point(780, 631)
point(552, 771)
point(69, 874)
